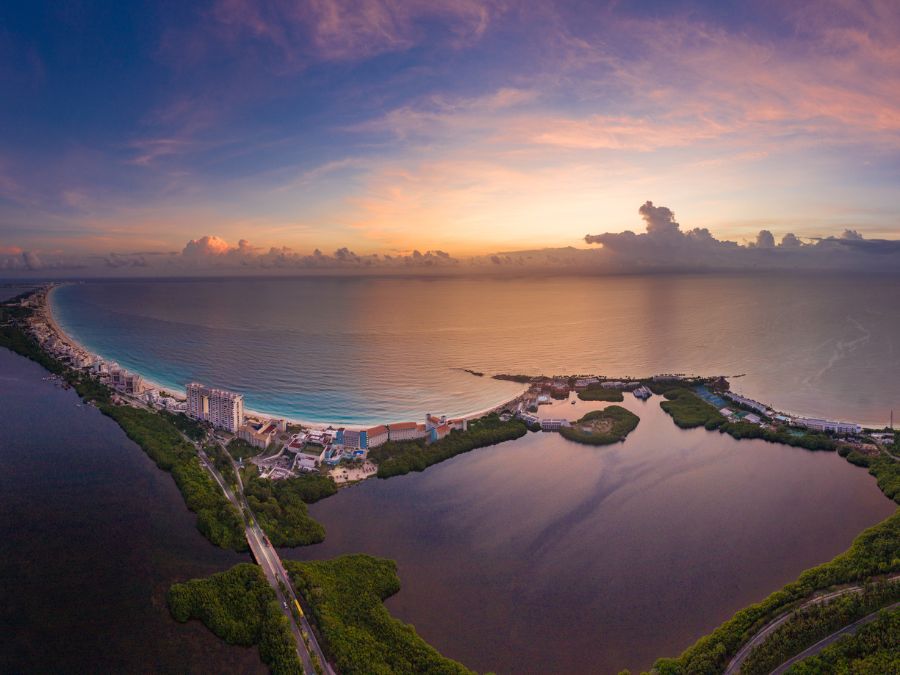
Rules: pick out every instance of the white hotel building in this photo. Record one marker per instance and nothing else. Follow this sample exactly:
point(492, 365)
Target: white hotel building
point(223, 409)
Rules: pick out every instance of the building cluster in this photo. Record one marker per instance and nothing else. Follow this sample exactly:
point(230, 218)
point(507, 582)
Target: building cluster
point(761, 413)
point(223, 409)
point(845, 428)
point(642, 392)
point(261, 433)
point(761, 408)
point(310, 448)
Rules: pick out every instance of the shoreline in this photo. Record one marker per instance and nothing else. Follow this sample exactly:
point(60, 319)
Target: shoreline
point(46, 311)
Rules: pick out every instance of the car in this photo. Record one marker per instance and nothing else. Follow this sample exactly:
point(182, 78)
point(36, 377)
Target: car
point(284, 604)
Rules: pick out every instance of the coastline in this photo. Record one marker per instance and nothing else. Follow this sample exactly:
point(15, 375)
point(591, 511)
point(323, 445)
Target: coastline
point(46, 311)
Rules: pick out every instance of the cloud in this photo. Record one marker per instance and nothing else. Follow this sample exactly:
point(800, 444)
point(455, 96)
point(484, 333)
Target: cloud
point(665, 246)
point(350, 30)
point(765, 240)
point(212, 252)
point(17, 260)
point(31, 260)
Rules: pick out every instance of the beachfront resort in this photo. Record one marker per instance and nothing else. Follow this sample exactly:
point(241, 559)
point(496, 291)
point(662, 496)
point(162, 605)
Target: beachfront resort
point(285, 448)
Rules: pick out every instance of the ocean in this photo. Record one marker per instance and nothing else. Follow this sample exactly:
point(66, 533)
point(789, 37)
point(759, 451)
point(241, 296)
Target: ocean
point(535, 555)
point(368, 350)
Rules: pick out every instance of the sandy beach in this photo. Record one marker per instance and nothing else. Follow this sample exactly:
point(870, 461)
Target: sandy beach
point(47, 313)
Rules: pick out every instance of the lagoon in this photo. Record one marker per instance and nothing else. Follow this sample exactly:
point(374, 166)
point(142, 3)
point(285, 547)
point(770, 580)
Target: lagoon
point(544, 555)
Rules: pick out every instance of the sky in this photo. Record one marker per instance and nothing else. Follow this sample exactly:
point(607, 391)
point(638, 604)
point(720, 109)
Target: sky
point(167, 137)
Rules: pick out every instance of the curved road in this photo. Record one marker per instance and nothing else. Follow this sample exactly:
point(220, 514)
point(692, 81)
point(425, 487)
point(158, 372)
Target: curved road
point(734, 667)
point(831, 639)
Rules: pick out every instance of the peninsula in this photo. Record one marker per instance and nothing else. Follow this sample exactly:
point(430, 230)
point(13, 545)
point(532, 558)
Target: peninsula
point(249, 478)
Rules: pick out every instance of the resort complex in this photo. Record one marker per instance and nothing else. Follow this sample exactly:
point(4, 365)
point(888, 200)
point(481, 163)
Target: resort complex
point(249, 476)
point(286, 449)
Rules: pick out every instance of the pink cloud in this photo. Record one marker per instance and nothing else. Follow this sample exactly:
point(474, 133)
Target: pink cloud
point(341, 30)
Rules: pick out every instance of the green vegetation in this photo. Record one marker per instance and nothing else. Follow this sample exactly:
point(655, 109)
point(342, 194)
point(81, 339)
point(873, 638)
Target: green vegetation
point(806, 439)
point(395, 459)
point(689, 410)
point(217, 519)
point(241, 608)
point(885, 469)
point(19, 342)
point(602, 427)
point(874, 648)
point(808, 626)
point(191, 428)
point(222, 462)
point(874, 552)
point(241, 449)
point(345, 596)
point(280, 506)
point(156, 433)
point(521, 379)
point(596, 392)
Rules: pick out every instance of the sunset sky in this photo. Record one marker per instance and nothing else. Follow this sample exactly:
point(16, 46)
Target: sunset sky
point(465, 126)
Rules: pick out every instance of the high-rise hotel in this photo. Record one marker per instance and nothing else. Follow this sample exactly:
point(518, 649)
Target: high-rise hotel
point(223, 409)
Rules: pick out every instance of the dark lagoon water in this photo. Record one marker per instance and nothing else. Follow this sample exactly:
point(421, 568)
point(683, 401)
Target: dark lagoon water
point(545, 556)
point(92, 535)
point(379, 350)
point(537, 555)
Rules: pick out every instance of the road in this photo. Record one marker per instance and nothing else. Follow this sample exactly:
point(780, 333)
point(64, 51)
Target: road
point(831, 639)
point(734, 667)
point(268, 559)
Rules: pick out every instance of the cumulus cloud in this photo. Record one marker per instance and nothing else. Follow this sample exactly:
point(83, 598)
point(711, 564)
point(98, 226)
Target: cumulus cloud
point(663, 245)
point(765, 239)
point(666, 246)
point(18, 260)
point(213, 252)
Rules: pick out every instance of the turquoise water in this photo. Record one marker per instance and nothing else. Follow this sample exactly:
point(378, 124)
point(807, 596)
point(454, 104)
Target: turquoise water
point(375, 350)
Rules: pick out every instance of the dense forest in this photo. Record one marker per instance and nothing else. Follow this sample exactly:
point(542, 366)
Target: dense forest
point(217, 519)
point(397, 458)
point(875, 648)
point(156, 433)
point(346, 597)
point(874, 552)
point(610, 425)
point(805, 628)
point(689, 410)
point(280, 506)
point(240, 607)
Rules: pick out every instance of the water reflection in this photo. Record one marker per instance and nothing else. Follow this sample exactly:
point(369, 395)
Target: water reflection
point(542, 555)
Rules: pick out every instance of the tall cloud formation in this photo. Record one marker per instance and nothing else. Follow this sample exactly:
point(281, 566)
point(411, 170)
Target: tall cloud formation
point(666, 246)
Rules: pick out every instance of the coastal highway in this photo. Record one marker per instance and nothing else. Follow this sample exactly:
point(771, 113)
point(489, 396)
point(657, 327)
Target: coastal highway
point(735, 666)
point(267, 558)
point(831, 639)
point(274, 561)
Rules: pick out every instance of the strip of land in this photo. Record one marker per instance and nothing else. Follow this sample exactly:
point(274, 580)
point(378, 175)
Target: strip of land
point(235, 502)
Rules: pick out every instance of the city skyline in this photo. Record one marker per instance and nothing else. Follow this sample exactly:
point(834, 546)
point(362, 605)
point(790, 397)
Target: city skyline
point(233, 135)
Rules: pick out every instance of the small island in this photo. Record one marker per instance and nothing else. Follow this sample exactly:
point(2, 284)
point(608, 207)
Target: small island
point(602, 427)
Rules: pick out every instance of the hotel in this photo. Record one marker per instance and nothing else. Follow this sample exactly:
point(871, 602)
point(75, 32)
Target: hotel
point(223, 409)
point(828, 425)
